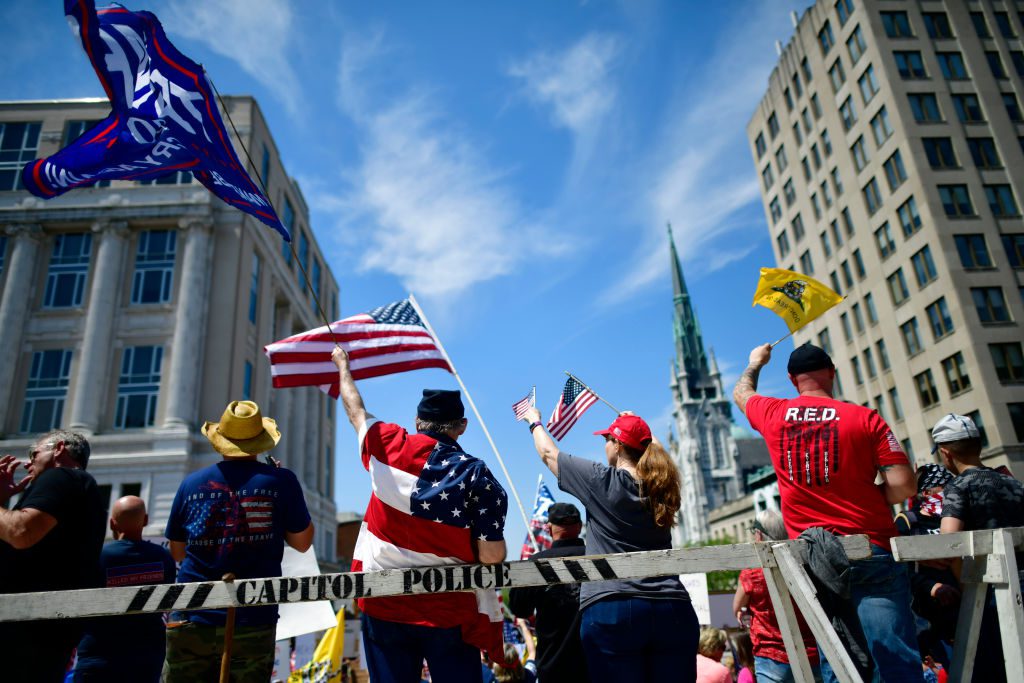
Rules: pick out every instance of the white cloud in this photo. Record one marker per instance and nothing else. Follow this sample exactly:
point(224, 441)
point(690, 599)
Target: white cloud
point(575, 82)
point(254, 33)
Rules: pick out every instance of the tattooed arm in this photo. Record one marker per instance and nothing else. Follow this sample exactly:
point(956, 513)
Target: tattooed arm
point(747, 384)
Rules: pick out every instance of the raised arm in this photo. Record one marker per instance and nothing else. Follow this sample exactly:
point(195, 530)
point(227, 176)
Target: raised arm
point(349, 394)
point(747, 384)
point(543, 442)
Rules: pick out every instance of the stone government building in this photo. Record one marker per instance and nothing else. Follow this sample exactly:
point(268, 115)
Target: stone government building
point(134, 310)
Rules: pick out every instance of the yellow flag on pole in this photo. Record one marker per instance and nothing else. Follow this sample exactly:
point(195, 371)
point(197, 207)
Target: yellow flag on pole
point(325, 667)
point(794, 297)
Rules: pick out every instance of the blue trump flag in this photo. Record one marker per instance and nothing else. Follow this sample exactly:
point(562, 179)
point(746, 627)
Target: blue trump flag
point(164, 117)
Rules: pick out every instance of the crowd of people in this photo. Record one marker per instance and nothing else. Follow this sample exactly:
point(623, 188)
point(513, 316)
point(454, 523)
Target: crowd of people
point(840, 470)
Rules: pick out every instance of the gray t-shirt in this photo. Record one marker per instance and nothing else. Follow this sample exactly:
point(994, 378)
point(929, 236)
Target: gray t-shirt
point(618, 521)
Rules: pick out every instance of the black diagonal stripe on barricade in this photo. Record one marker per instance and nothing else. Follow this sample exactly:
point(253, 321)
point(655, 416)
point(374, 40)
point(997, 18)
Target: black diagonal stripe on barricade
point(386, 582)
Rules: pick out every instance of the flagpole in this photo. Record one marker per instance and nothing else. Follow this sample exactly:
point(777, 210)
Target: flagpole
point(617, 411)
point(522, 511)
point(776, 343)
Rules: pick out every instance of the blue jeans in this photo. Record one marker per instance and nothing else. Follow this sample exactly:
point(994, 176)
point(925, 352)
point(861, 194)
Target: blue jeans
point(395, 653)
point(629, 638)
point(880, 590)
point(769, 671)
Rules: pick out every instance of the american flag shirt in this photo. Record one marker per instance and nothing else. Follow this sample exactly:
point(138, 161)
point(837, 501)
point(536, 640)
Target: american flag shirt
point(232, 517)
point(431, 501)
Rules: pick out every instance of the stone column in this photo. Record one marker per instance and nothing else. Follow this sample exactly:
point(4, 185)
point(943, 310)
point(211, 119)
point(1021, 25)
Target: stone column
point(189, 325)
point(91, 377)
point(20, 265)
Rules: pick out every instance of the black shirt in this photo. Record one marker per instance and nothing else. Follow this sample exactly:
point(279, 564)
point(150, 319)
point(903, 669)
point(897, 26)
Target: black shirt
point(559, 651)
point(67, 557)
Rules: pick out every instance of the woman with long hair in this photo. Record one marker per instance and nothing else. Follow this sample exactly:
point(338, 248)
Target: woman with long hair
point(634, 629)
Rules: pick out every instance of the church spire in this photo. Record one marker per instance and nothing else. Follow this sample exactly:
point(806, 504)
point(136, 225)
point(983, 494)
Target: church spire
point(689, 344)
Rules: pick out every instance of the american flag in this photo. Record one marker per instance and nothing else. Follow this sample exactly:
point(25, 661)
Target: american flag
point(258, 512)
point(575, 400)
point(520, 407)
point(539, 522)
point(385, 341)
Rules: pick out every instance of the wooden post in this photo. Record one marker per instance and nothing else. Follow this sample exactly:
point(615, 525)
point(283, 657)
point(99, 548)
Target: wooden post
point(785, 614)
point(229, 635)
point(1008, 605)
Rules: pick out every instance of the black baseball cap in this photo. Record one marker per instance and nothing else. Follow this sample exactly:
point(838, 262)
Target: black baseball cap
point(563, 514)
point(808, 358)
point(440, 405)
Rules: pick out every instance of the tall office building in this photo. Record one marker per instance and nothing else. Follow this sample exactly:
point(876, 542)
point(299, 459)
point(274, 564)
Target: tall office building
point(134, 311)
point(889, 151)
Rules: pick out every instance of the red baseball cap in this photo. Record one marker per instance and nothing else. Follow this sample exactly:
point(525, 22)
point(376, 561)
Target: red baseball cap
point(630, 430)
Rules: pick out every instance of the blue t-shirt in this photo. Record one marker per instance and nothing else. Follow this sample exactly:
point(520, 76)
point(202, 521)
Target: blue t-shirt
point(233, 517)
point(129, 647)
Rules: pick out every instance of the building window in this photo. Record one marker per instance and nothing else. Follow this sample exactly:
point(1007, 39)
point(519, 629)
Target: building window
point(848, 113)
point(927, 392)
point(815, 157)
point(1017, 57)
point(797, 87)
point(837, 182)
point(826, 143)
point(837, 74)
point(844, 8)
point(825, 245)
point(1008, 361)
point(909, 64)
point(773, 125)
point(816, 205)
point(19, 144)
point(154, 267)
point(860, 153)
point(954, 369)
point(316, 281)
point(837, 236)
point(925, 107)
point(980, 25)
point(254, 287)
point(1017, 419)
point(855, 44)
point(924, 266)
point(883, 355)
point(898, 287)
point(825, 38)
point(138, 387)
point(773, 207)
point(973, 251)
point(265, 168)
point(884, 241)
point(289, 223)
point(826, 193)
point(3, 252)
point(897, 407)
point(782, 241)
point(910, 219)
point(1005, 28)
point(303, 259)
point(847, 330)
point(1001, 201)
point(967, 108)
point(872, 196)
point(895, 172)
point(983, 152)
point(868, 84)
point(780, 158)
point(1014, 246)
point(806, 264)
point(847, 223)
point(46, 390)
point(976, 417)
point(858, 264)
point(804, 165)
point(798, 228)
point(1012, 107)
point(940, 153)
point(937, 25)
point(896, 24)
point(956, 201)
point(995, 63)
point(767, 178)
point(990, 304)
point(869, 306)
point(939, 318)
point(759, 145)
point(789, 192)
point(789, 99)
point(880, 126)
point(858, 318)
point(816, 106)
point(69, 265)
point(855, 364)
point(869, 364)
point(825, 341)
point(247, 381)
point(835, 282)
point(952, 66)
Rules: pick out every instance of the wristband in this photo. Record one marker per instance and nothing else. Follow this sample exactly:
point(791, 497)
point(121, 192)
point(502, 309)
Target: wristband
point(534, 425)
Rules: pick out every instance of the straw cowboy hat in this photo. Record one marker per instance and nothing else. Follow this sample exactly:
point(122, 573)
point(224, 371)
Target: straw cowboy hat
point(242, 431)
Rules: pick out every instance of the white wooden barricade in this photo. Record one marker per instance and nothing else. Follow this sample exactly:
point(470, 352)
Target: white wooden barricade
point(988, 560)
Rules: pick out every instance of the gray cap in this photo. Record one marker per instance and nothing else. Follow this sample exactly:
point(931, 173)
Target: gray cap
point(953, 427)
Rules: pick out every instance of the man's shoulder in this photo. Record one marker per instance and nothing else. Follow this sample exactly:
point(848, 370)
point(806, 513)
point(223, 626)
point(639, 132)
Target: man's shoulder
point(560, 551)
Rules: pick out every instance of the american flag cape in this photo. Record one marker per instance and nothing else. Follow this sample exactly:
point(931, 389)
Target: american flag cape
point(520, 407)
point(387, 340)
point(429, 502)
point(539, 522)
point(574, 401)
point(164, 117)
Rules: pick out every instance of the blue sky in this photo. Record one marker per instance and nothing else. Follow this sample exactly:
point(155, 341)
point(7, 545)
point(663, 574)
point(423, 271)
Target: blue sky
point(514, 164)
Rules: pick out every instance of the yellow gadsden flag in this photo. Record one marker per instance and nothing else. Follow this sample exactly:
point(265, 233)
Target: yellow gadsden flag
point(325, 667)
point(794, 297)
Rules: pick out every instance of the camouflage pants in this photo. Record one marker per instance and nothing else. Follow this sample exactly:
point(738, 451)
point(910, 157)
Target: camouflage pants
point(194, 654)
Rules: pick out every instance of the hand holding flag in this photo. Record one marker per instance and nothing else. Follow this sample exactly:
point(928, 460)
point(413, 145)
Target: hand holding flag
point(530, 401)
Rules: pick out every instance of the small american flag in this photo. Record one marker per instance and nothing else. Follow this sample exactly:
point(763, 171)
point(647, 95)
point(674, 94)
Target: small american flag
point(520, 407)
point(575, 400)
point(385, 341)
point(539, 528)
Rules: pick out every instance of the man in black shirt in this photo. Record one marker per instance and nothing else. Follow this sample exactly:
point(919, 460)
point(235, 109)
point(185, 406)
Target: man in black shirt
point(49, 540)
point(559, 652)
